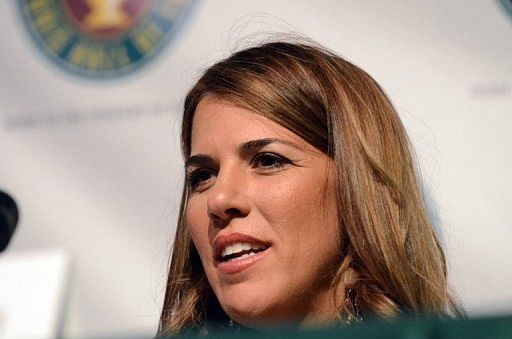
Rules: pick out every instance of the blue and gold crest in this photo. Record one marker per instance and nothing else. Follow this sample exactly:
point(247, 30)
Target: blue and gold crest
point(103, 38)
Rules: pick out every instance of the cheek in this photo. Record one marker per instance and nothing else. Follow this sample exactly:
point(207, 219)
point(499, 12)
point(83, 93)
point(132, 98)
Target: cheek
point(303, 212)
point(303, 205)
point(198, 225)
point(197, 221)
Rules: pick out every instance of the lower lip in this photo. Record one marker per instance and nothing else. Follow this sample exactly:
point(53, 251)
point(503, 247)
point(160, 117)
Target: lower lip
point(238, 265)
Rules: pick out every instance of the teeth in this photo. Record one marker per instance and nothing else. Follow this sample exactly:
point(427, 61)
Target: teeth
point(240, 247)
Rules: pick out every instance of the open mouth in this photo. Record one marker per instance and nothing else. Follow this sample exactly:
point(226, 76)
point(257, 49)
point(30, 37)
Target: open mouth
point(240, 250)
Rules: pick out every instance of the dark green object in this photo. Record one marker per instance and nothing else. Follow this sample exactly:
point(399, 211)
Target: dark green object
point(488, 328)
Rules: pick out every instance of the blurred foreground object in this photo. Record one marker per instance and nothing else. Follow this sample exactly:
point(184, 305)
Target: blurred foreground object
point(33, 289)
point(8, 219)
point(425, 328)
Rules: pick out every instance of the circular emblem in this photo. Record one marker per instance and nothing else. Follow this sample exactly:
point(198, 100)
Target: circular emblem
point(102, 38)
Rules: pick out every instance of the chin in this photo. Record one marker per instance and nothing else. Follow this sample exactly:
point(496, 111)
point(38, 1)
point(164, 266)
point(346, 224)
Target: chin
point(247, 309)
point(243, 308)
point(254, 311)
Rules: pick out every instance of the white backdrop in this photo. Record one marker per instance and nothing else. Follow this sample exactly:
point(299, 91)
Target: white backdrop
point(105, 186)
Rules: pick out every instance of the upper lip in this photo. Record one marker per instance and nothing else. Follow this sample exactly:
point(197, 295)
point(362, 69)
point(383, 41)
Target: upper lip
point(221, 241)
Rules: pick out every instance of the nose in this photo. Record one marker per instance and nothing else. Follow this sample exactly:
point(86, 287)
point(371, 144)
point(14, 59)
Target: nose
point(227, 198)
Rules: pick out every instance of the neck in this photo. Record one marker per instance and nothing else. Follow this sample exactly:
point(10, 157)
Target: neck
point(323, 313)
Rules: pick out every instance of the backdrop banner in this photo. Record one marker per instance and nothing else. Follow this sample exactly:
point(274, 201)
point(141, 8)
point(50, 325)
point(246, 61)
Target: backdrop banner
point(90, 106)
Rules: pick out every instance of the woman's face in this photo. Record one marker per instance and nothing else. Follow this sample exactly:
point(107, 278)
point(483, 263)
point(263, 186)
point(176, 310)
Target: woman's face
point(262, 216)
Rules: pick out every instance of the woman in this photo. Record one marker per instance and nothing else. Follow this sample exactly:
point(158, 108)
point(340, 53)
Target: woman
point(301, 202)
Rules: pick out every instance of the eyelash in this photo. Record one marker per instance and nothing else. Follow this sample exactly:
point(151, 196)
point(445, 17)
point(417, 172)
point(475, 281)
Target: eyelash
point(279, 161)
point(194, 178)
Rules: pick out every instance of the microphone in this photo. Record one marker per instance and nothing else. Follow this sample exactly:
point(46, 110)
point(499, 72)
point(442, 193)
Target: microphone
point(8, 219)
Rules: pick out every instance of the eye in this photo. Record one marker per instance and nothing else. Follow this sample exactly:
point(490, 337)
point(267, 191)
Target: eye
point(268, 161)
point(198, 177)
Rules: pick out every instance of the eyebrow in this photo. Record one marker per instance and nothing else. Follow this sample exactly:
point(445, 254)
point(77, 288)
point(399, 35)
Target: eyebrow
point(201, 160)
point(254, 145)
point(198, 160)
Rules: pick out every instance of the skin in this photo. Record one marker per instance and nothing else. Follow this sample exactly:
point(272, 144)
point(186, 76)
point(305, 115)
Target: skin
point(280, 193)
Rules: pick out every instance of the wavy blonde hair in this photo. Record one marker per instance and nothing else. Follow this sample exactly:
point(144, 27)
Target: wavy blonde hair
point(390, 255)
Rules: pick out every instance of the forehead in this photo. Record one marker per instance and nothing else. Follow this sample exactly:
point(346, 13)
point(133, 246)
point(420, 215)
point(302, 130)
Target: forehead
point(218, 121)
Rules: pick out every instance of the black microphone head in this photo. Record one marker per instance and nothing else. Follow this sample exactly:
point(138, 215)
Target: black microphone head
point(8, 219)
